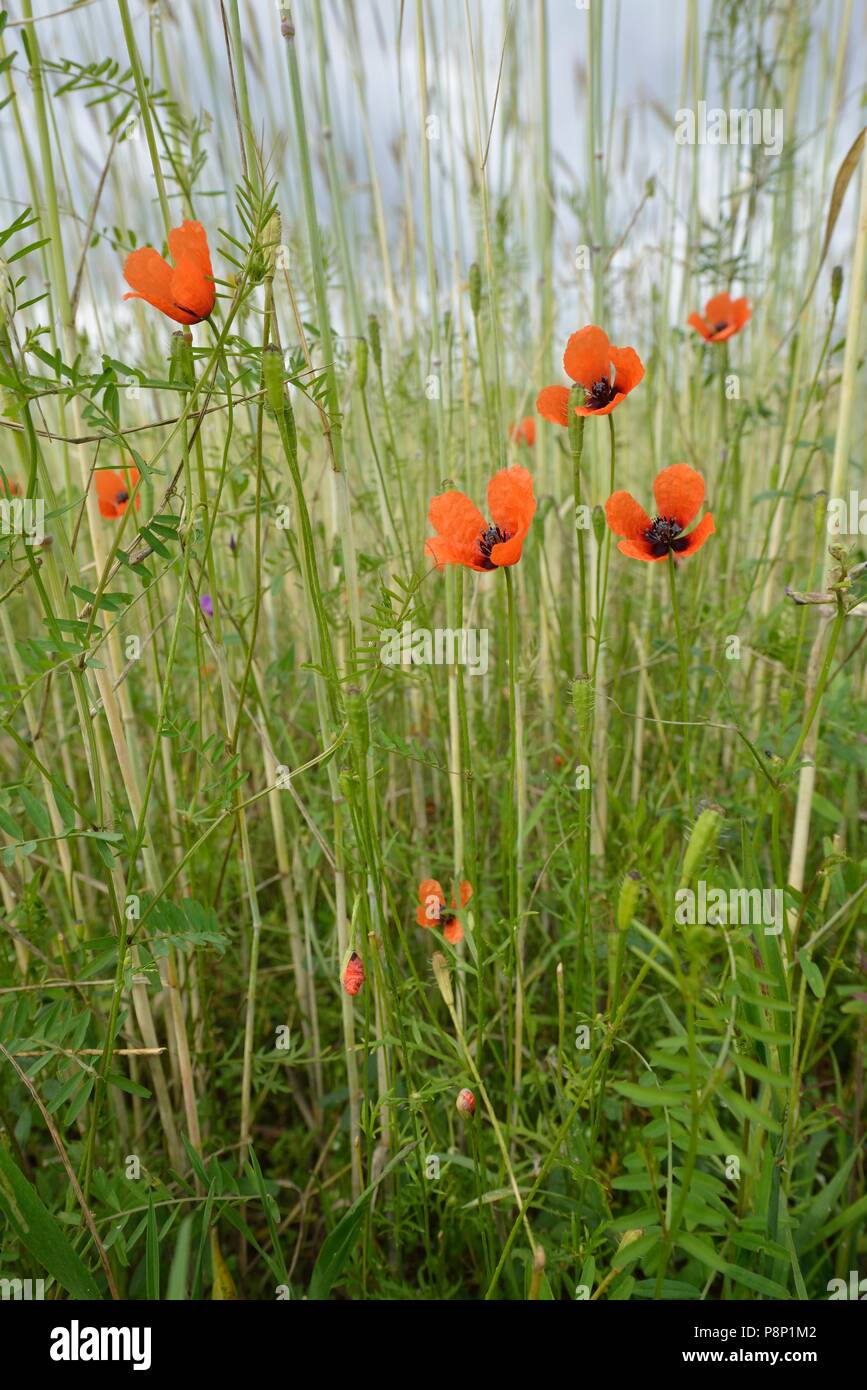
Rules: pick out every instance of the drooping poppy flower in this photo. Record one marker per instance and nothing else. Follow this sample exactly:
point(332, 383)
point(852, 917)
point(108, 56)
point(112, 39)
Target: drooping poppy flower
point(466, 1103)
point(723, 317)
point(185, 293)
point(113, 490)
point(606, 373)
point(679, 493)
point(465, 538)
point(432, 900)
point(525, 433)
point(353, 975)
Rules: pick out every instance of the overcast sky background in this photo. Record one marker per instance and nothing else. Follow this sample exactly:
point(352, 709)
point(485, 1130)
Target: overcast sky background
point(643, 57)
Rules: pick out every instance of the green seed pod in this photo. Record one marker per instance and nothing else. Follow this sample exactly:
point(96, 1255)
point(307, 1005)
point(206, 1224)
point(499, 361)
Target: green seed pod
point(701, 842)
point(583, 703)
point(181, 365)
point(836, 283)
point(375, 340)
point(357, 718)
point(599, 524)
point(272, 377)
point(361, 362)
point(475, 289)
point(577, 396)
point(627, 902)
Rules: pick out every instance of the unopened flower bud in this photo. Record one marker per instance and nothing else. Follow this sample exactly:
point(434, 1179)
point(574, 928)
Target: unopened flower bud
point(353, 975)
point(466, 1104)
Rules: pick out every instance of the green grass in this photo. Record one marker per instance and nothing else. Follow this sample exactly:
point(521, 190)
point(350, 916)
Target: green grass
point(203, 814)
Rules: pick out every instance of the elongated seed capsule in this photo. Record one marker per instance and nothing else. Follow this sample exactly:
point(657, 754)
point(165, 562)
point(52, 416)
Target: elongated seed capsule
point(628, 900)
point(375, 340)
point(475, 289)
point(272, 379)
point(361, 362)
point(357, 717)
point(583, 701)
point(599, 524)
point(577, 396)
point(701, 841)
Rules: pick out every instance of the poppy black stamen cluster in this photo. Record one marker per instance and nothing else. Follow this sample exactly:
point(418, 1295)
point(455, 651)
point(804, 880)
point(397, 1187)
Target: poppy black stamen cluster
point(488, 539)
point(600, 394)
point(664, 534)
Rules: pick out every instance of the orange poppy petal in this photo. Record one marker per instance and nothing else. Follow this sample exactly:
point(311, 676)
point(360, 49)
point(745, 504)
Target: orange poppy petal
point(741, 312)
point(458, 520)
point(113, 491)
point(587, 358)
point(190, 240)
point(625, 516)
point(511, 503)
point(507, 552)
point(454, 932)
point(430, 888)
point(706, 527)
point(553, 404)
point(192, 294)
point(586, 410)
point(679, 492)
point(697, 322)
point(445, 552)
point(466, 892)
point(636, 550)
point(718, 309)
point(628, 369)
point(150, 278)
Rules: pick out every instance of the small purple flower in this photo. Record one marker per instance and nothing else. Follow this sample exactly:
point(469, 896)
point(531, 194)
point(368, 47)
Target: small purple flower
point(233, 544)
point(206, 605)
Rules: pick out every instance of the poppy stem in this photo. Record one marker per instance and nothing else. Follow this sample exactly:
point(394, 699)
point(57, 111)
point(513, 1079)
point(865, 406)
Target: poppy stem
point(684, 673)
point(576, 442)
point(515, 817)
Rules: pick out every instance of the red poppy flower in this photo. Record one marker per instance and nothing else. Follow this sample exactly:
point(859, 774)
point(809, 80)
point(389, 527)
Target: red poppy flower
point(431, 901)
point(679, 493)
point(185, 293)
point(114, 490)
point(524, 433)
point(353, 975)
point(9, 486)
point(465, 538)
point(606, 373)
point(723, 317)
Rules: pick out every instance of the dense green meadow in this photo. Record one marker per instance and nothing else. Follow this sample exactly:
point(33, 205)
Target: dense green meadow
point(400, 900)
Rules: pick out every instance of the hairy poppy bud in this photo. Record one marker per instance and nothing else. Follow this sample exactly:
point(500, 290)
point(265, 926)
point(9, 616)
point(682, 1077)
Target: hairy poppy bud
point(701, 842)
point(466, 1103)
point(598, 524)
point(353, 975)
point(443, 978)
point(628, 900)
point(475, 289)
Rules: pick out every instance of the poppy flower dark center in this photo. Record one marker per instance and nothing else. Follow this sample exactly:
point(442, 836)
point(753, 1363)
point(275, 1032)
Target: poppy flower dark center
point(487, 540)
point(601, 393)
point(122, 497)
point(664, 534)
point(446, 920)
point(719, 327)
